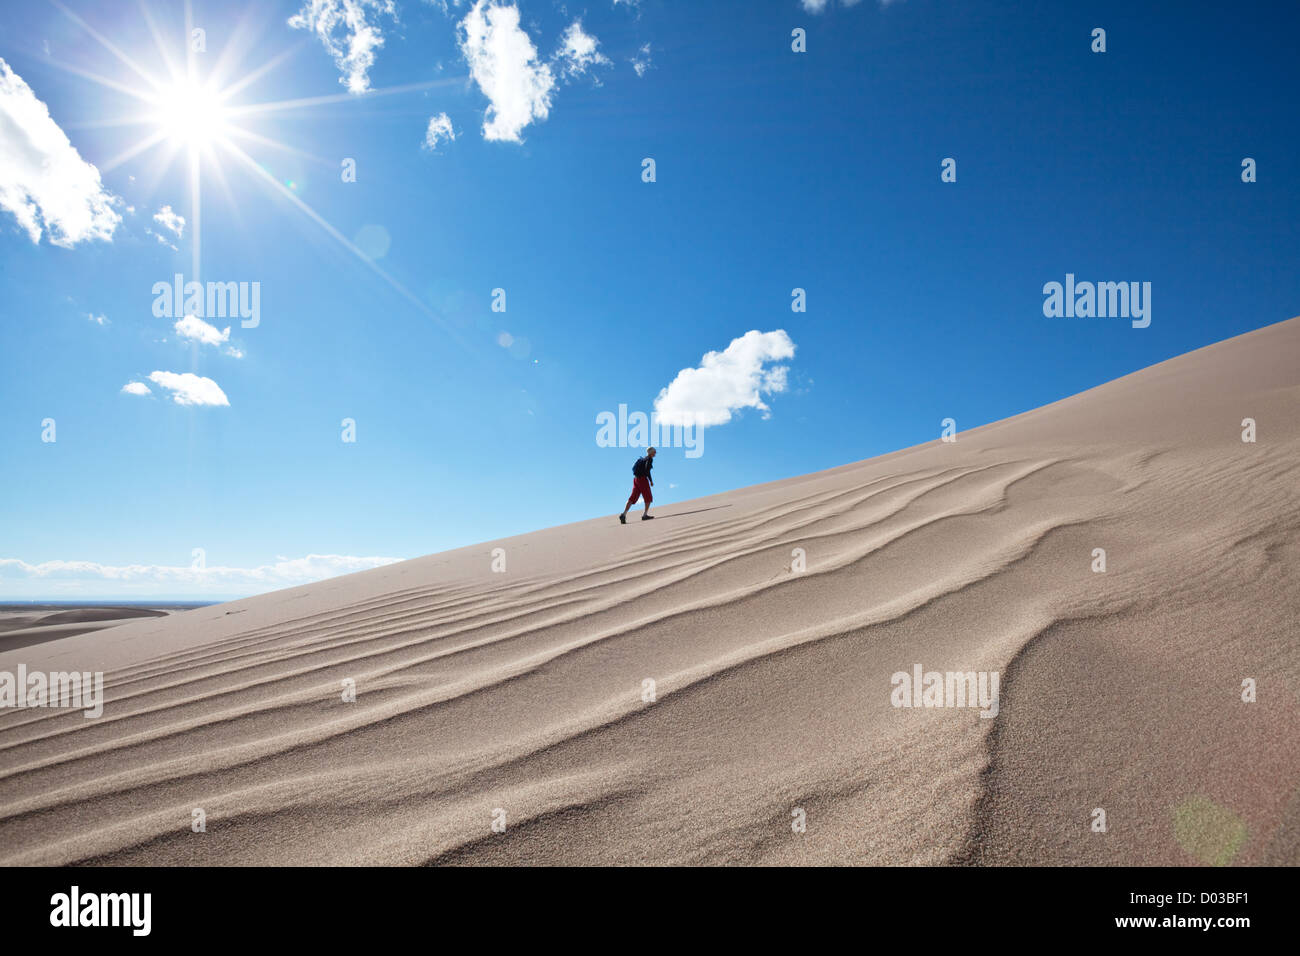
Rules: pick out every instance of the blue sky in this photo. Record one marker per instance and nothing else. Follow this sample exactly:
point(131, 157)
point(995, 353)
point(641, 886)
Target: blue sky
point(774, 170)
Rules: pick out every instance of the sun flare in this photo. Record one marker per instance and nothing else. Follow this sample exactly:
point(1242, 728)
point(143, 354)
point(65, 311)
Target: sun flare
point(201, 121)
point(191, 113)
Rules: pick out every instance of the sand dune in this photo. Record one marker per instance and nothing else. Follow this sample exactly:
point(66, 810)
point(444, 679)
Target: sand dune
point(523, 690)
point(22, 625)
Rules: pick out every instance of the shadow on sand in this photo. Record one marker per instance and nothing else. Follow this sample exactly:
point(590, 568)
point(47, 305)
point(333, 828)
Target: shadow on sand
point(695, 512)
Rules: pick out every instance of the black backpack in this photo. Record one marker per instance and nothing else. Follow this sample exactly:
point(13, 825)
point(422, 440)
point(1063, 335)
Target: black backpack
point(638, 468)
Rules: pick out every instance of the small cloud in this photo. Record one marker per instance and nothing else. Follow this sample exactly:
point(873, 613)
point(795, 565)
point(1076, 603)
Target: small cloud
point(193, 328)
point(727, 381)
point(170, 220)
point(439, 128)
point(503, 62)
point(98, 319)
point(235, 352)
point(641, 62)
point(578, 53)
point(162, 240)
point(817, 6)
point(189, 389)
point(44, 182)
point(136, 388)
point(350, 32)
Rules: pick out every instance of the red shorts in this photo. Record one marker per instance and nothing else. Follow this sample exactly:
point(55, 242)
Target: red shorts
point(640, 486)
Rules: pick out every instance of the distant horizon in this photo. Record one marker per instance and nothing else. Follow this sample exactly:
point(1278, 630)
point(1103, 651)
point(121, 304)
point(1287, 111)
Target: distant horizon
point(117, 602)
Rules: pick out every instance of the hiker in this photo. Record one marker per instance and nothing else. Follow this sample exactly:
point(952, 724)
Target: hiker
point(641, 482)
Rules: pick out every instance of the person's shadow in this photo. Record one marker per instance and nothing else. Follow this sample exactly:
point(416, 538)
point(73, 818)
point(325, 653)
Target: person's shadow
point(695, 512)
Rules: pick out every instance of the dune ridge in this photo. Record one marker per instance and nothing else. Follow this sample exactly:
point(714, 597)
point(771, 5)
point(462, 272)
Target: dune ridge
point(523, 691)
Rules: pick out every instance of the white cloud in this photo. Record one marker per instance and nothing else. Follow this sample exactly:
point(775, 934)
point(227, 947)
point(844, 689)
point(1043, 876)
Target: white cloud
point(350, 32)
point(169, 219)
point(727, 381)
point(641, 62)
point(503, 62)
point(578, 52)
point(162, 240)
point(136, 388)
point(20, 579)
point(196, 330)
point(190, 389)
point(44, 182)
point(97, 319)
point(439, 128)
point(192, 327)
point(817, 6)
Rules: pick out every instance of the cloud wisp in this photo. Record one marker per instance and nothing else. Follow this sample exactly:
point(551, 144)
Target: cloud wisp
point(81, 577)
point(579, 52)
point(170, 220)
point(440, 129)
point(350, 31)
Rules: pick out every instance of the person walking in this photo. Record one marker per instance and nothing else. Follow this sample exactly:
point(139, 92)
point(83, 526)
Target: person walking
point(641, 483)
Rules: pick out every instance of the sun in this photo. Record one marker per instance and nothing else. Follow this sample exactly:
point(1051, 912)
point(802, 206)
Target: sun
point(191, 113)
point(203, 121)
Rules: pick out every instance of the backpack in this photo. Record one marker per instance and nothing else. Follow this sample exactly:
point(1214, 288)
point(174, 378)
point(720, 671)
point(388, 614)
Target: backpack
point(638, 468)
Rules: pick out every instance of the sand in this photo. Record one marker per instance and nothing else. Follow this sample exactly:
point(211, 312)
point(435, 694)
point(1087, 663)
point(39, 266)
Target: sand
point(521, 694)
point(24, 624)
